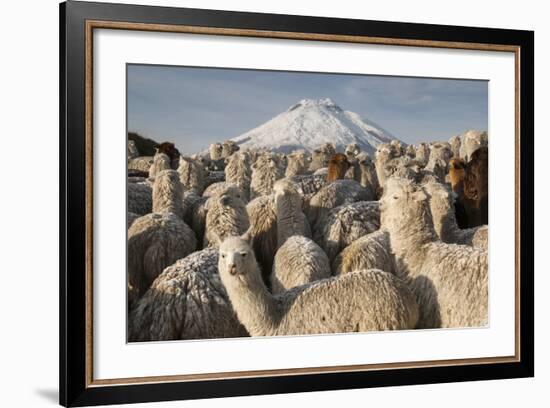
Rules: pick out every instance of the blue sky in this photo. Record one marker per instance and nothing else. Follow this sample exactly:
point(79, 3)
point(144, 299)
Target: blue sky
point(196, 106)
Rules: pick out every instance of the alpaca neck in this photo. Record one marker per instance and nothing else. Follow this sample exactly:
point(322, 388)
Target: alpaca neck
point(256, 308)
point(168, 197)
point(445, 225)
point(288, 209)
point(408, 237)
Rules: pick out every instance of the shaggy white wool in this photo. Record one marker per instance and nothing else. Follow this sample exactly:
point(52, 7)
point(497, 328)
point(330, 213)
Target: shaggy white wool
point(384, 153)
point(298, 261)
point(365, 174)
point(371, 251)
point(228, 148)
point(455, 143)
point(226, 216)
point(186, 301)
point(215, 150)
point(265, 172)
point(142, 163)
point(161, 162)
point(449, 280)
point(154, 242)
point(321, 156)
point(352, 150)
point(140, 198)
point(298, 163)
point(346, 223)
point(332, 195)
point(471, 141)
point(354, 302)
point(422, 154)
point(239, 172)
point(168, 193)
point(263, 222)
point(192, 174)
point(288, 207)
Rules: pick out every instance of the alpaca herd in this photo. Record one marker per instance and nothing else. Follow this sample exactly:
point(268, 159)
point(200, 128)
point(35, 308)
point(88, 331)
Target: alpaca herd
point(234, 243)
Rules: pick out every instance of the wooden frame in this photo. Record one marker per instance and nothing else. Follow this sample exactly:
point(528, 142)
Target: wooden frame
point(77, 22)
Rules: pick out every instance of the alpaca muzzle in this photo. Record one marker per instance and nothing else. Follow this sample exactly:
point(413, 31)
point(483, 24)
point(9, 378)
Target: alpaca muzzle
point(233, 269)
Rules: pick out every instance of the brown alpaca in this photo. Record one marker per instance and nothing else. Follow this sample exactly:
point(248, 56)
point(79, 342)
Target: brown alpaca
point(457, 172)
point(171, 151)
point(338, 165)
point(476, 187)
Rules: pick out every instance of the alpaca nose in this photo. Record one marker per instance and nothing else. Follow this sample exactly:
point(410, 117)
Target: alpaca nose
point(233, 269)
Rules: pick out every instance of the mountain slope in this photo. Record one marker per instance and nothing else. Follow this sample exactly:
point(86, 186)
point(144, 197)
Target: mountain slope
point(310, 123)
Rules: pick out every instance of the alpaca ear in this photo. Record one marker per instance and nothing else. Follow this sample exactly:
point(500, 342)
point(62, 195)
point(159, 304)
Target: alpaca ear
point(247, 236)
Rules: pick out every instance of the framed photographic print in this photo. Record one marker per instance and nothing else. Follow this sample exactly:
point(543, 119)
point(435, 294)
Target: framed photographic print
point(256, 203)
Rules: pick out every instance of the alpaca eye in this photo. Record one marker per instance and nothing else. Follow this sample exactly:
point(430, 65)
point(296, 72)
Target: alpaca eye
point(243, 254)
point(223, 255)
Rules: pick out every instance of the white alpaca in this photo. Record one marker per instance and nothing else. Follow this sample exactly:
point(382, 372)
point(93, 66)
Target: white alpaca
point(298, 260)
point(411, 151)
point(140, 198)
point(228, 148)
point(354, 302)
point(158, 239)
point(346, 223)
point(186, 301)
point(321, 156)
point(440, 151)
point(471, 141)
point(226, 216)
point(371, 251)
point(333, 195)
point(352, 150)
point(455, 143)
point(161, 162)
point(215, 150)
point(384, 153)
point(443, 215)
point(141, 164)
point(298, 163)
point(265, 172)
point(192, 174)
point(449, 280)
point(263, 231)
point(288, 208)
point(364, 171)
point(168, 193)
point(422, 154)
point(239, 172)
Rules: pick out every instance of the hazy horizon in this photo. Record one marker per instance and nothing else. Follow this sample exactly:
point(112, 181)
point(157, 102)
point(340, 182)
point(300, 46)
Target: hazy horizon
point(194, 107)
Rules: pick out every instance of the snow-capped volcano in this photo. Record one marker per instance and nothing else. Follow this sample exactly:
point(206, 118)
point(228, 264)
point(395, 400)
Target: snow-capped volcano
point(310, 123)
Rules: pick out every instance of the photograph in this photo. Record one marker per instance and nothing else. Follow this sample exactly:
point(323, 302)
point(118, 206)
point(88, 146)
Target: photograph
point(286, 203)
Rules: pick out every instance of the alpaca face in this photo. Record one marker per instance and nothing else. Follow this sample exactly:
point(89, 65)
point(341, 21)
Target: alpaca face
point(352, 150)
point(236, 259)
point(457, 164)
point(440, 197)
point(337, 167)
point(401, 203)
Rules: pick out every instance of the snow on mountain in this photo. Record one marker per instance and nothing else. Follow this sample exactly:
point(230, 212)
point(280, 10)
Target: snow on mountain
point(310, 123)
